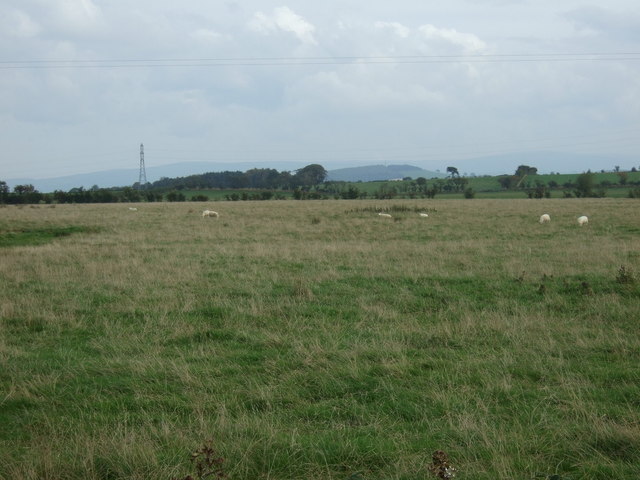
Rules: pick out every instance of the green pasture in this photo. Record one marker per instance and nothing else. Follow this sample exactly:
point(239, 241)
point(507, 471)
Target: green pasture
point(372, 187)
point(317, 340)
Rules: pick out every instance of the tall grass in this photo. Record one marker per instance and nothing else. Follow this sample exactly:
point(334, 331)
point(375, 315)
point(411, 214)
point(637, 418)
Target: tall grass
point(317, 340)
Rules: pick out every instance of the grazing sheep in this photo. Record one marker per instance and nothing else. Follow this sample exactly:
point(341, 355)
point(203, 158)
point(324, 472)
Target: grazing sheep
point(386, 215)
point(133, 209)
point(424, 215)
point(583, 220)
point(210, 213)
point(545, 218)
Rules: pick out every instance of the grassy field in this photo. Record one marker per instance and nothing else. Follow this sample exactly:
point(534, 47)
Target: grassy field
point(317, 340)
point(489, 186)
point(372, 187)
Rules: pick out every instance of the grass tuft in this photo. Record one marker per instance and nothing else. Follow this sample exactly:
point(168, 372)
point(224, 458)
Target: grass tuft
point(39, 236)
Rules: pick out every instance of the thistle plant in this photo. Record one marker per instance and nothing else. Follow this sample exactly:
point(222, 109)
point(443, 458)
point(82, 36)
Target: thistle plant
point(208, 464)
point(440, 465)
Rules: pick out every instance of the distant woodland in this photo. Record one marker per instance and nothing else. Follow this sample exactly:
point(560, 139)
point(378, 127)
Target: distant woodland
point(309, 183)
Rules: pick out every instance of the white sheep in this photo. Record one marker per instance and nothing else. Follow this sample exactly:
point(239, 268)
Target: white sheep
point(133, 209)
point(210, 213)
point(545, 218)
point(386, 215)
point(424, 215)
point(583, 220)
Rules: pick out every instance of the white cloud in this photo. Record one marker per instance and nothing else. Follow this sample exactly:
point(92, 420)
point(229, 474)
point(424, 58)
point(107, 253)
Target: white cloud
point(75, 16)
point(207, 36)
point(284, 19)
point(365, 90)
point(397, 28)
point(16, 23)
point(449, 38)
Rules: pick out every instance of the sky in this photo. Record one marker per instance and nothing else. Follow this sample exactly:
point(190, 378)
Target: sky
point(341, 83)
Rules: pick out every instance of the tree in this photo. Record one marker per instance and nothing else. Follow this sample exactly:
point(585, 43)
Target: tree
point(507, 181)
point(350, 194)
point(523, 170)
point(262, 178)
point(4, 191)
point(174, 196)
point(459, 183)
point(623, 177)
point(26, 194)
point(453, 172)
point(310, 175)
point(540, 191)
point(24, 189)
point(131, 195)
point(584, 185)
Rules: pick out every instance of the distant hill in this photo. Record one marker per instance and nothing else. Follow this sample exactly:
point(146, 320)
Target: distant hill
point(371, 173)
point(544, 161)
point(488, 165)
point(127, 177)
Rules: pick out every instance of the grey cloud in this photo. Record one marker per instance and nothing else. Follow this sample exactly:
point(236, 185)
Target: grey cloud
point(604, 21)
point(245, 109)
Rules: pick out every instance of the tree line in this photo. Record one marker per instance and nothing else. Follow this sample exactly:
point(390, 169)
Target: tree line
point(255, 178)
point(27, 194)
point(584, 185)
point(309, 183)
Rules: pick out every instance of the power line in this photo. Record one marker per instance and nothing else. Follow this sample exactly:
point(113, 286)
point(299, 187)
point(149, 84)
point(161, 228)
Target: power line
point(338, 60)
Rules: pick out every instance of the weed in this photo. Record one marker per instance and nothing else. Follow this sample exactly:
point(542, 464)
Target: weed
point(392, 208)
point(207, 462)
point(586, 289)
point(356, 476)
point(302, 291)
point(625, 276)
point(440, 465)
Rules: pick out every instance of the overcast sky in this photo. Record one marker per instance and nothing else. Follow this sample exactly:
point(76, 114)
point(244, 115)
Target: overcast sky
point(340, 83)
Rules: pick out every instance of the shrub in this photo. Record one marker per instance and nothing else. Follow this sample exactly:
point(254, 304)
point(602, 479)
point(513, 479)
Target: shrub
point(625, 276)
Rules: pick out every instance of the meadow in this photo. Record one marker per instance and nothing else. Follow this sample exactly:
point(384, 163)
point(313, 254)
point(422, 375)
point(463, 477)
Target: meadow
point(316, 340)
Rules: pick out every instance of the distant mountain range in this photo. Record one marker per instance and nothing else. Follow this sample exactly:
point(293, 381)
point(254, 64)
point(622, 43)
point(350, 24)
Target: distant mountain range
point(545, 162)
point(127, 177)
point(371, 173)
